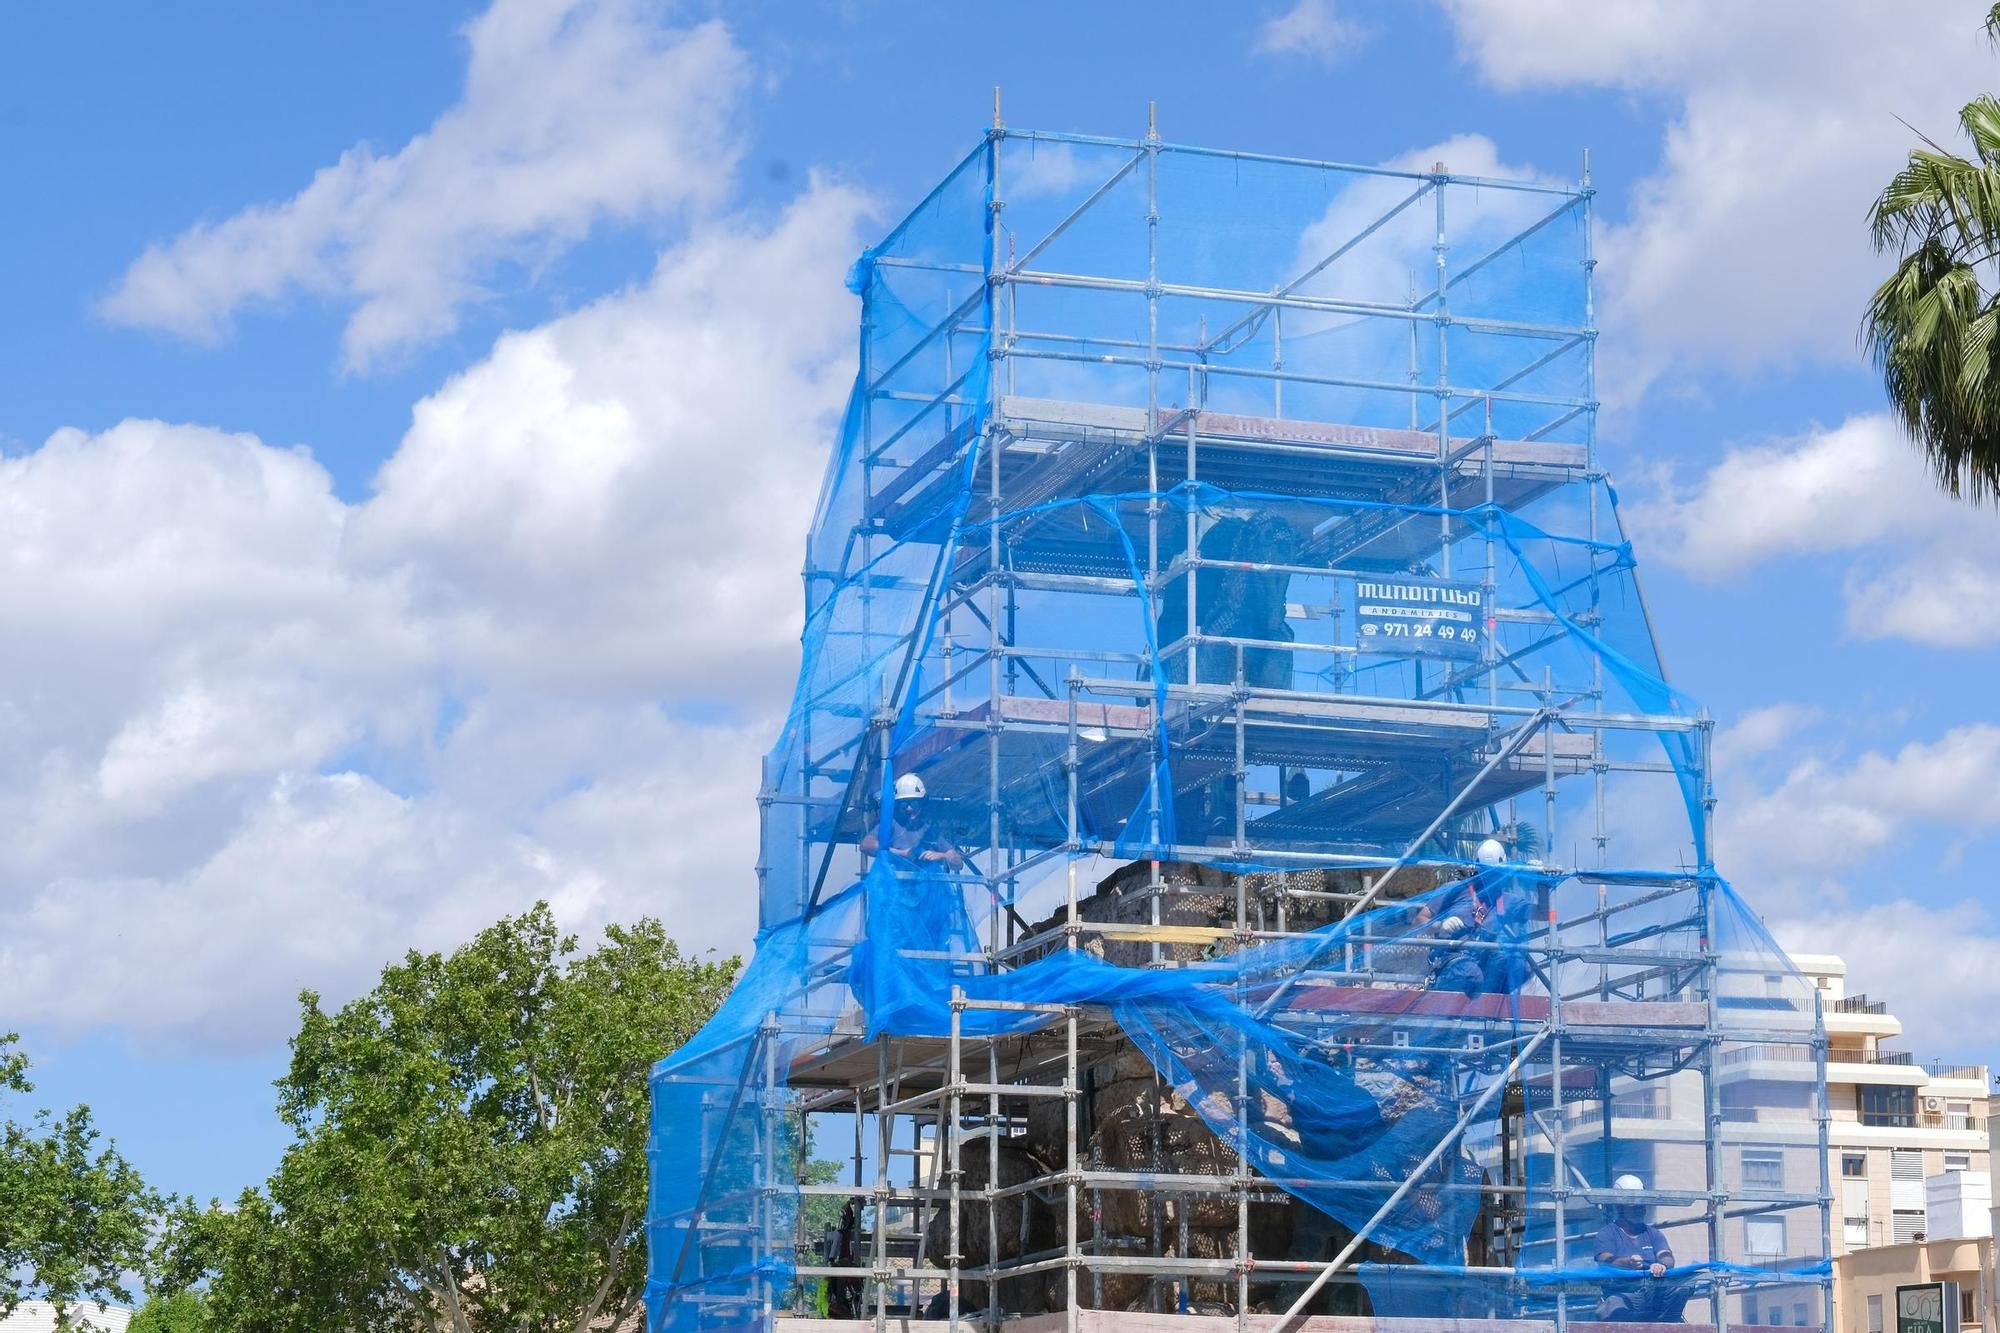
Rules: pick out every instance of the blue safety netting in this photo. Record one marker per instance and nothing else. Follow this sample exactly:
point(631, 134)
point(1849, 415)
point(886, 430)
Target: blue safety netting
point(1241, 516)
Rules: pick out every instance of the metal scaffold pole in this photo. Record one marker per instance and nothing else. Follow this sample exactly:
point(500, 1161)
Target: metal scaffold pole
point(1134, 601)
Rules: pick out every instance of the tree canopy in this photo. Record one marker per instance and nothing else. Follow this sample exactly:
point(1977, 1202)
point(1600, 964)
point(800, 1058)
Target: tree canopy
point(182, 1312)
point(75, 1217)
point(469, 1141)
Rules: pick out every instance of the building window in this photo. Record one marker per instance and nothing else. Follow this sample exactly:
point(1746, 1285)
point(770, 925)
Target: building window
point(1905, 1226)
point(1854, 1165)
point(1966, 1318)
point(1958, 1161)
point(1958, 1115)
point(1874, 1314)
point(1906, 1164)
point(1799, 1314)
point(1854, 1231)
point(1763, 1170)
point(1764, 1237)
point(1888, 1107)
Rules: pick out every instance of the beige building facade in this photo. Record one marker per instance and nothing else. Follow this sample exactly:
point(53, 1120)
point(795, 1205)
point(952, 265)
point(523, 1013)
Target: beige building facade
point(1894, 1123)
point(1865, 1282)
point(1910, 1164)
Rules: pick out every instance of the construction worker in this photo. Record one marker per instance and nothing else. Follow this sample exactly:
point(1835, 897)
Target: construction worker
point(913, 839)
point(1630, 1241)
point(1485, 907)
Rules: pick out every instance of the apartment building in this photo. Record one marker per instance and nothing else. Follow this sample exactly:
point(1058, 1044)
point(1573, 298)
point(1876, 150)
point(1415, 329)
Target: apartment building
point(1895, 1122)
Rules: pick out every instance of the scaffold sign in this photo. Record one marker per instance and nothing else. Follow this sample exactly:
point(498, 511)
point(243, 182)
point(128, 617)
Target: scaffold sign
point(1428, 616)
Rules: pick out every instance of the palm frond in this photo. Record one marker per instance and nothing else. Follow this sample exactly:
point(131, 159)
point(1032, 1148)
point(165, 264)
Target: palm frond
point(1932, 328)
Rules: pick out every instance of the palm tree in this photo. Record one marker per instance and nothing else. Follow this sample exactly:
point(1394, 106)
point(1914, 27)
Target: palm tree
point(1931, 327)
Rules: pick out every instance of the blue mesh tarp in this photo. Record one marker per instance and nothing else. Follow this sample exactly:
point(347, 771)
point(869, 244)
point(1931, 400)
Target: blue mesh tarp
point(1241, 516)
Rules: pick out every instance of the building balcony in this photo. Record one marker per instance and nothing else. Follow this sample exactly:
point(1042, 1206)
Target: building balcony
point(1892, 1068)
point(1857, 1015)
point(1948, 1080)
point(1923, 1130)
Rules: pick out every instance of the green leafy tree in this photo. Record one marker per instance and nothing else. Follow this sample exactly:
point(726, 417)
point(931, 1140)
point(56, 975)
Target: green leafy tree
point(75, 1217)
point(1931, 325)
point(182, 1312)
point(469, 1144)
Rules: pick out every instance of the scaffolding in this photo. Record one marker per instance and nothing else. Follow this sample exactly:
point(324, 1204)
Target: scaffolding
point(1217, 542)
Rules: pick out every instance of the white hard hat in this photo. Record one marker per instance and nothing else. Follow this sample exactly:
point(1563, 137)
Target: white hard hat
point(1628, 1182)
point(910, 787)
point(1490, 853)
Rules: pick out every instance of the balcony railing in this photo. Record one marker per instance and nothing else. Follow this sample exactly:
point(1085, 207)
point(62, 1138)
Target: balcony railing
point(1860, 1004)
point(1939, 1069)
point(1742, 1055)
point(1922, 1120)
point(1951, 1120)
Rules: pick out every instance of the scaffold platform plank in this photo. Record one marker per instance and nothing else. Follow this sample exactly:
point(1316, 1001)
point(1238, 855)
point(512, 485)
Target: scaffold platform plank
point(1052, 449)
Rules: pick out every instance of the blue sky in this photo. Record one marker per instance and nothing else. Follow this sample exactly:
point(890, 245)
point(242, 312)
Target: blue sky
point(373, 406)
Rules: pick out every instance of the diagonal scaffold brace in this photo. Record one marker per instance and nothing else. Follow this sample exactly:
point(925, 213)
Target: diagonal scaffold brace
point(1450, 1137)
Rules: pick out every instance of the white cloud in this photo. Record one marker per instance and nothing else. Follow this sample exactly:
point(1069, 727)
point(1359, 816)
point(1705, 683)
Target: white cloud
point(621, 496)
point(1400, 257)
point(1826, 812)
point(325, 877)
point(254, 738)
point(1933, 965)
point(1923, 568)
point(1939, 598)
point(1314, 29)
point(1746, 249)
point(1831, 847)
point(1043, 169)
point(1761, 731)
point(1832, 489)
point(574, 113)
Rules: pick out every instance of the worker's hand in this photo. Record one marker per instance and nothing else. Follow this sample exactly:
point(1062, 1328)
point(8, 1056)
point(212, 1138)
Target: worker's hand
point(1658, 1270)
point(931, 856)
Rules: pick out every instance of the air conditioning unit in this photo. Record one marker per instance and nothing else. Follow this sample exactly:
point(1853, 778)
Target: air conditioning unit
point(1934, 1104)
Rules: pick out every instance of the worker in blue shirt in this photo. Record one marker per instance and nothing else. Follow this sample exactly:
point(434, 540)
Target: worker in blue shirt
point(915, 842)
point(1629, 1241)
point(1487, 907)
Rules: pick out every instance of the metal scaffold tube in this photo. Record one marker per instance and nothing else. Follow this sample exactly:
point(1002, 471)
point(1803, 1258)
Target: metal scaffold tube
point(1212, 589)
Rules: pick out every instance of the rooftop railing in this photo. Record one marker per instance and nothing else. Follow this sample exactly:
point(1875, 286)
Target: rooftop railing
point(1940, 1069)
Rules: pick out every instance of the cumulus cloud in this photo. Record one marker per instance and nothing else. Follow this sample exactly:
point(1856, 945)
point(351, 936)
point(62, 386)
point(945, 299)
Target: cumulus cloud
point(320, 878)
point(1934, 965)
point(259, 738)
point(1400, 257)
point(1829, 844)
point(1746, 248)
point(1825, 815)
point(620, 495)
point(573, 113)
point(1921, 566)
point(1313, 29)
